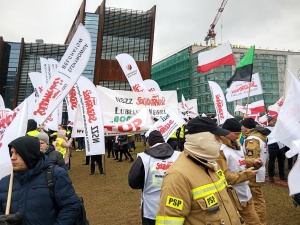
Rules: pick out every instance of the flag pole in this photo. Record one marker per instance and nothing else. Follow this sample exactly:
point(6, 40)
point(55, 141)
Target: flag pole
point(248, 99)
point(8, 203)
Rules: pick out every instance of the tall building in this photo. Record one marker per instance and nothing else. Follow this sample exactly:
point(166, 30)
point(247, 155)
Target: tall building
point(179, 72)
point(113, 31)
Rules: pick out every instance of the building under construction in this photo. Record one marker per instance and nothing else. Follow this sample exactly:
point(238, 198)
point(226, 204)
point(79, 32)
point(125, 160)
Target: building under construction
point(179, 72)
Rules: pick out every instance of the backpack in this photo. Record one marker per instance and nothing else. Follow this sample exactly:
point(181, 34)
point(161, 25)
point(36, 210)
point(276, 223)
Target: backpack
point(81, 219)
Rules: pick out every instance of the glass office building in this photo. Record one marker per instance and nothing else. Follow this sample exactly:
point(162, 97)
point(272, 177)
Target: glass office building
point(179, 72)
point(113, 31)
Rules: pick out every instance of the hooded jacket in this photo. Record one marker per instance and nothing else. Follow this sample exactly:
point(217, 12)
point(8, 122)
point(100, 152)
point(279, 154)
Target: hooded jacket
point(136, 174)
point(31, 196)
point(194, 193)
point(55, 156)
point(148, 175)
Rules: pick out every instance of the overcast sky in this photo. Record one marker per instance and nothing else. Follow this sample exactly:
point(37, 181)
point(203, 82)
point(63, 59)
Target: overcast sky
point(264, 23)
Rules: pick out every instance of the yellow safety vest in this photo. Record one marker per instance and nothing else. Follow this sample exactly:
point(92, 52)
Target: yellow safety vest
point(60, 148)
point(33, 133)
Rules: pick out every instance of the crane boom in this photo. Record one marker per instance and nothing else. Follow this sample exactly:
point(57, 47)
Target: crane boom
point(211, 32)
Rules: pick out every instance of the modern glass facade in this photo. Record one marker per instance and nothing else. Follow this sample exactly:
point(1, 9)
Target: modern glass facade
point(113, 31)
point(9, 69)
point(269, 64)
point(32, 53)
point(91, 24)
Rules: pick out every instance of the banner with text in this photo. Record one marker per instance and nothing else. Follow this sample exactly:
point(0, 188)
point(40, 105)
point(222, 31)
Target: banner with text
point(219, 101)
point(121, 106)
point(167, 125)
point(68, 71)
point(239, 89)
point(92, 117)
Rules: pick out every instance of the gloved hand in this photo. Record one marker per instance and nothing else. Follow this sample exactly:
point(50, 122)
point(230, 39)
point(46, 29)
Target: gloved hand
point(11, 219)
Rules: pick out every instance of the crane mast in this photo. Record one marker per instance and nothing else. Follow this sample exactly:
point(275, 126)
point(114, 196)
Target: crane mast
point(211, 32)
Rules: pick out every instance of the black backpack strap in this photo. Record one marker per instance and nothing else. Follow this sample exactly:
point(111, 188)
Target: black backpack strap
point(50, 180)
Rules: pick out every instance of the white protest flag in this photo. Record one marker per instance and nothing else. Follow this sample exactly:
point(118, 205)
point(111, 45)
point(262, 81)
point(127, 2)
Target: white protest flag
point(273, 110)
point(72, 101)
point(292, 65)
point(294, 175)
point(141, 122)
point(183, 103)
point(2, 105)
point(219, 102)
point(68, 71)
point(240, 108)
point(16, 128)
point(287, 127)
point(131, 72)
point(167, 125)
point(38, 81)
point(45, 69)
point(240, 89)
point(151, 85)
point(92, 117)
point(78, 124)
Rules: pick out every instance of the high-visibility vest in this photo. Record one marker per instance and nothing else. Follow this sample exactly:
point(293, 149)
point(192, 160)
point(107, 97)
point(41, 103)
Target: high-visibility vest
point(59, 146)
point(33, 133)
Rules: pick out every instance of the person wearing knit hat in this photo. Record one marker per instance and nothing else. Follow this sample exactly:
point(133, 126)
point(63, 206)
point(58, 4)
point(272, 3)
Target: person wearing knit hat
point(147, 173)
point(255, 147)
point(194, 187)
point(248, 123)
point(232, 161)
point(49, 150)
point(26, 149)
point(30, 195)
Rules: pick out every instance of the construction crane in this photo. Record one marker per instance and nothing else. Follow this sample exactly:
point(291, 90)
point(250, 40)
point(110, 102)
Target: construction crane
point(211, 35)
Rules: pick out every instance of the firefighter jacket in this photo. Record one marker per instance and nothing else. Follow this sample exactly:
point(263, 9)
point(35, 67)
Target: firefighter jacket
point(193, 193)
point(232, 162)
point(255, 147)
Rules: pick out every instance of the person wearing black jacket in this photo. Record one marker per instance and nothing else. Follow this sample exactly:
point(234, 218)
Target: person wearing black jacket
point(147, 174)
point(49, 150)
point(123, 139)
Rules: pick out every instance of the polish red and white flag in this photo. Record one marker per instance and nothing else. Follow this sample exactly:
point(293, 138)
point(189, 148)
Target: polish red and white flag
point(257, 107)
point(219, 56)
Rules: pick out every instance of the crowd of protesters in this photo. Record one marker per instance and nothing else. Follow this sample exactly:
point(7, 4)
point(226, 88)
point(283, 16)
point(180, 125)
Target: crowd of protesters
point(216, 176)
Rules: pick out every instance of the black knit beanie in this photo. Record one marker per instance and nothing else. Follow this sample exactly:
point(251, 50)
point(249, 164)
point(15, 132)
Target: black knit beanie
point(232, 125)
point(155, 137)
point(249, 123)
point(28, 148)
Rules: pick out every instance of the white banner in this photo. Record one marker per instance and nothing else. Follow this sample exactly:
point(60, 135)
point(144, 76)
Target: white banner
point(2, 105)
point(167, 125)
point(151, 85)
point(92, 117)
point(69, 69)
point(273, 110)
point(38, 81)
point(121, 106)
point(141, 122)
point(239, 89)
point(131, 72)
point(15, 126)
point(287, 127)
point(192, 108)
point(219, 101)
point(72, 102)
point(45, 69)
point(78, 125)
